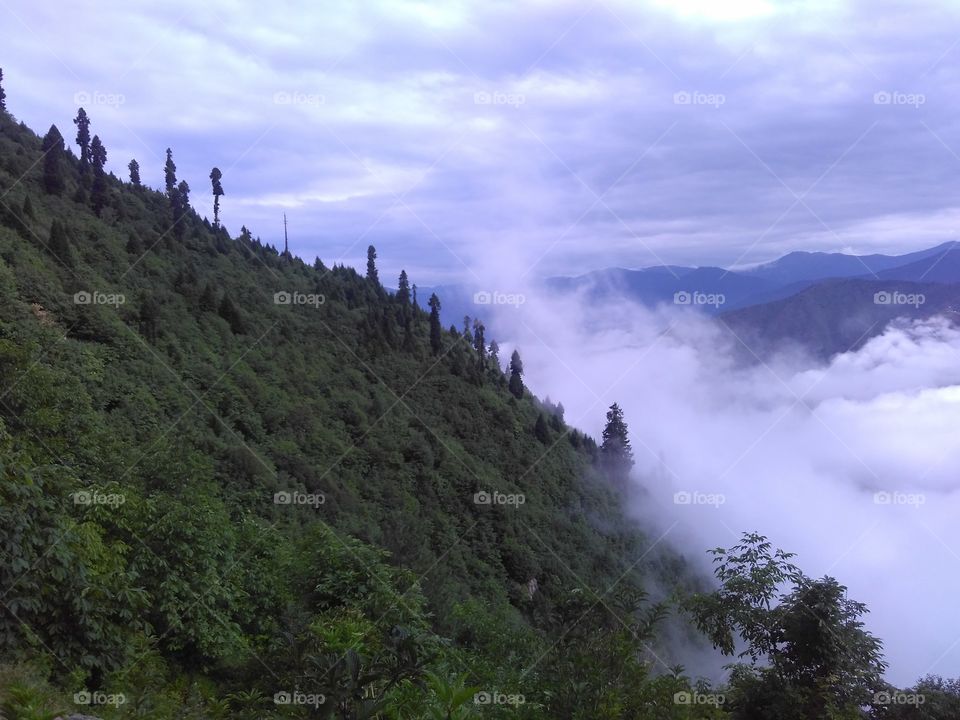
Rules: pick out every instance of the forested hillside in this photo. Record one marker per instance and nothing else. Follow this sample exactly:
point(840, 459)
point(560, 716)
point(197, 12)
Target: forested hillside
point(230, 473)
point(235, 485)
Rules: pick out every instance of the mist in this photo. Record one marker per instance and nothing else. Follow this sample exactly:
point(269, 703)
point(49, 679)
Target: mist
point(852, 464)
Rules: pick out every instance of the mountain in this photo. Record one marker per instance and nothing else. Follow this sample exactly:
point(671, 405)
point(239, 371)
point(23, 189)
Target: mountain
point(232, 481)
point(763, 283)
point(710, 288)
point(835, 316)
point(799, 266)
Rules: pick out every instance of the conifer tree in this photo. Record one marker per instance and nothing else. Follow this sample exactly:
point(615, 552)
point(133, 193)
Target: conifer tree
point(98, 158)
point(414, 300)
point(181, 204)
point(479, 343)
point(516, 375)
point(54, 181)
point(403, 289)
point(495, 354)
point(540, 429)
point(3, 95)
point(134, 167)
point(372, 274)
point(59, 244)
point(215, 176)
point(83, 139)
point(616, 455)
point(170, 175)
point(436, 333)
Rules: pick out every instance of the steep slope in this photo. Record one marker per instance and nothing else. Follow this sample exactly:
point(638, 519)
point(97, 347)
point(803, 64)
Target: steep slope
point(227, 474)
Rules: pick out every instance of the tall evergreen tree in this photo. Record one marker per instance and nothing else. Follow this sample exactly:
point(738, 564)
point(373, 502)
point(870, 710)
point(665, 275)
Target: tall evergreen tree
point(83, 138)
point(616, 455)
point(215, 176)
point(495, 354)
point(372, 274)
point(516, 375)
point(436, 332)
point(170, 175)
point(54, 181)
point(134, 173)
point(414, 300)
point(181, 204)
point(540, 430)
point(59, 244)
point(403, 289)
point(98, 158)
point(479, 343)
point(3, 95)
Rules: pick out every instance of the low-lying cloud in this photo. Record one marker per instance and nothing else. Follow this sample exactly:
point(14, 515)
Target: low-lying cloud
point(854, 465)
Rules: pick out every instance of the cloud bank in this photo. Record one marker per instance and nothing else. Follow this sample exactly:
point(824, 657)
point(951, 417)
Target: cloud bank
point(854, 465)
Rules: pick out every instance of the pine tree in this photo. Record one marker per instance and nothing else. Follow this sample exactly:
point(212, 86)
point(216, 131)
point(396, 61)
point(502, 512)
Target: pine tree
point(495, 354)
point(229, 312)
point(170, 175)
point(83, 139)
point(403, 289)
point(52, 147)
point(215, 176)
point(181, 204)
point(540, 429)
point(372, 274)
point(414, 300)
point(436, 333)
point(479, 343)
point(27, 209)
point(134, 173)
point(3, 95)
point(516, 375)
point(98, 158)
point(59, 244)
point(616, 455)
point(466, 330)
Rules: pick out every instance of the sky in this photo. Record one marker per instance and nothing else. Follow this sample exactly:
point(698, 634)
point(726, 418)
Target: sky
point(580, 135)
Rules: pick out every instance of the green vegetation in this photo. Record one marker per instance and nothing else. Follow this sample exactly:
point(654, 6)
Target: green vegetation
point(236, 485)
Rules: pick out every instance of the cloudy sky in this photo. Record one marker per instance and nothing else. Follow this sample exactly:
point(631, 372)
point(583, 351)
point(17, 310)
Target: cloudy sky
point(588, 133)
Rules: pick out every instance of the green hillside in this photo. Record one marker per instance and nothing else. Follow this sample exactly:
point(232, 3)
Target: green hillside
point(208, 492)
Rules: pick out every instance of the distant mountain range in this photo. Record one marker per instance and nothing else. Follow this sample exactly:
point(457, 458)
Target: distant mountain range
point(824, 302)
point(733, 289)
